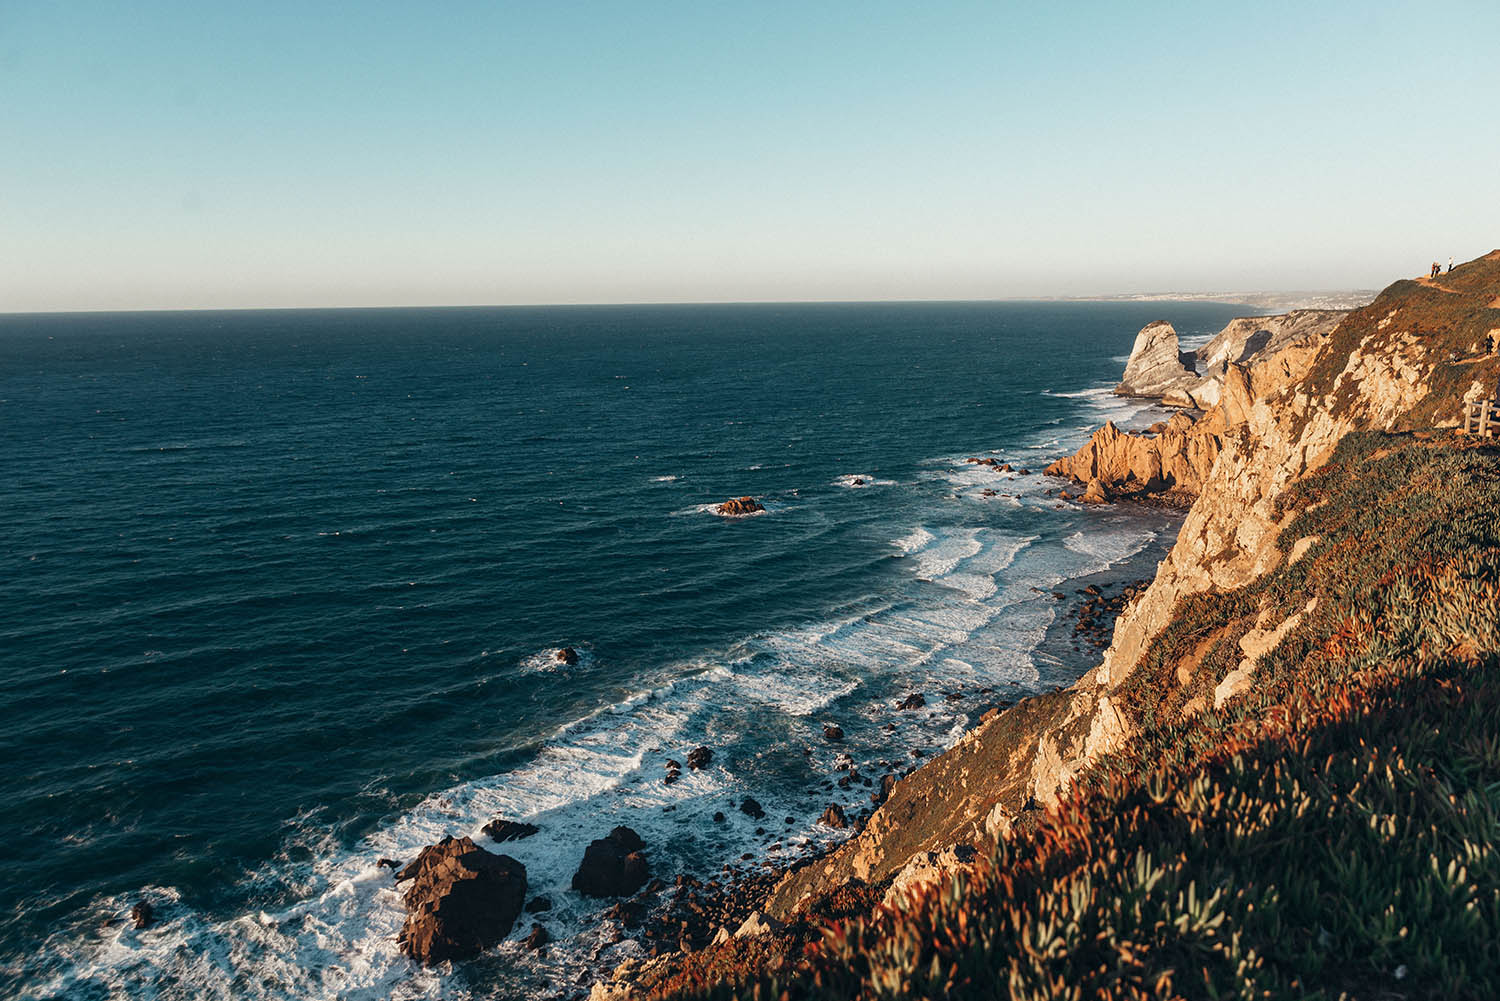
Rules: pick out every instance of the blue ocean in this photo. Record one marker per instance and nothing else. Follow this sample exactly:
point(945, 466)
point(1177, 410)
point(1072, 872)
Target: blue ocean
point(282, 594)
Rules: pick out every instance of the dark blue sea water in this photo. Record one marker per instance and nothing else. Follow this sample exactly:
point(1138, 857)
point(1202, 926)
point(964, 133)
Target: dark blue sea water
point(281, 592)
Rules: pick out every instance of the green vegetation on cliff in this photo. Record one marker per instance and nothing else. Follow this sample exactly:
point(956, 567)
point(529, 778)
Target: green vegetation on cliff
point(1330, 832)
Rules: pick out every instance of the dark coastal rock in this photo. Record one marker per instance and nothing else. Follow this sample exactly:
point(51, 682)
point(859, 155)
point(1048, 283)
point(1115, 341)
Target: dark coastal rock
point(388, 863)
point(751, 808)
point(143, 915)
point(834, 817)
point(699, 757)
point(833, 732)
point(738, 506)
point(567, 655)
point(858, 482)
point(538, 905)
point(462, 900)
point(613, 866)
point(719, 817)
point(503, 830)
point(674, 766)
point(539, 937)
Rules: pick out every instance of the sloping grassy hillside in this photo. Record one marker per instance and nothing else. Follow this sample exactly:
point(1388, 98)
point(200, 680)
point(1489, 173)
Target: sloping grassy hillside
point(1330, 833)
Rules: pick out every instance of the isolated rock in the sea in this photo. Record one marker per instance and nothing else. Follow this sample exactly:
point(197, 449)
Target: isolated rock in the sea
point(833, 732)
point(538, 937)
point(699, 757)
point(913, 701)
point(613, 866)
point(1156, 365)
point(388, 863)
point(567, 655)
point(751, 808)
point(503, 830)
point(142, 915)
point(737, 506)
point(538, 905)
point(834, 817)
point(462, 900)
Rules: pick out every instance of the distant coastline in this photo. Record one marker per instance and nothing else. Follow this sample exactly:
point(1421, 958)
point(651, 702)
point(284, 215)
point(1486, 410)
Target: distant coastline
point(1274, 302)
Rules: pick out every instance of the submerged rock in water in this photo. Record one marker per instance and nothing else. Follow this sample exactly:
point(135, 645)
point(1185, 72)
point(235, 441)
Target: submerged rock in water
point(613, 866)
point(462, 900)
point(567, 655)
point(143, 915)
point(751, 808)
point(502, 830)
point(739, 506)
point(699, 757)
point(833, 732)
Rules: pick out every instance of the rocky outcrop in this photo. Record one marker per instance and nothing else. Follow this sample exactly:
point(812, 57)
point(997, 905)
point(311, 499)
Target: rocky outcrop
point(462, 900)
point(1158, 368)
point(613, 866)
point(1157, 365)
point(737, 507)
point(503, 830)
point(1114, 463)
point(1250, 338)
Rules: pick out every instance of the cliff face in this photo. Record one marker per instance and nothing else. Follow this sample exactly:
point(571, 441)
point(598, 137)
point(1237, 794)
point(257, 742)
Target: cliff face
point(1404, 361)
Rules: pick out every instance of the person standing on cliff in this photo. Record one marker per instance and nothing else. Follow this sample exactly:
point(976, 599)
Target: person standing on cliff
point(1450, 264)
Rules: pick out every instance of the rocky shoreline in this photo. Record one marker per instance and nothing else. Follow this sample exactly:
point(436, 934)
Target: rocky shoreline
point(1406, 360)
point(1279, 410)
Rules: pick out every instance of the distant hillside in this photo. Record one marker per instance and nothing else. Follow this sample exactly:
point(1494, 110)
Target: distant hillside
point(1270, 302)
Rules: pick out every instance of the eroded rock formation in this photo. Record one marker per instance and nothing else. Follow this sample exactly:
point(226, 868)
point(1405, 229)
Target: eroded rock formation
point(613, 866)
point(739, 506)
point(1160, 369)
point(462, 900)
point(1157, 364)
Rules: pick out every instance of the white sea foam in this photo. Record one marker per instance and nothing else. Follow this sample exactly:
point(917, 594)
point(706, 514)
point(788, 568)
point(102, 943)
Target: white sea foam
point(915, 540)
point(860, 480)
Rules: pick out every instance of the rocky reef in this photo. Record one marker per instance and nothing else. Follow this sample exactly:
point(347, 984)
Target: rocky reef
point(1317, 663)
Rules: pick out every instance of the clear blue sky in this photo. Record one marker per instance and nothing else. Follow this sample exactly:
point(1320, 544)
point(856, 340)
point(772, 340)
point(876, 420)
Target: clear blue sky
point(273, 153)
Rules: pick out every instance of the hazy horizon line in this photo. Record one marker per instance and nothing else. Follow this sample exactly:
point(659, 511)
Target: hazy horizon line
point(1230, 298)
